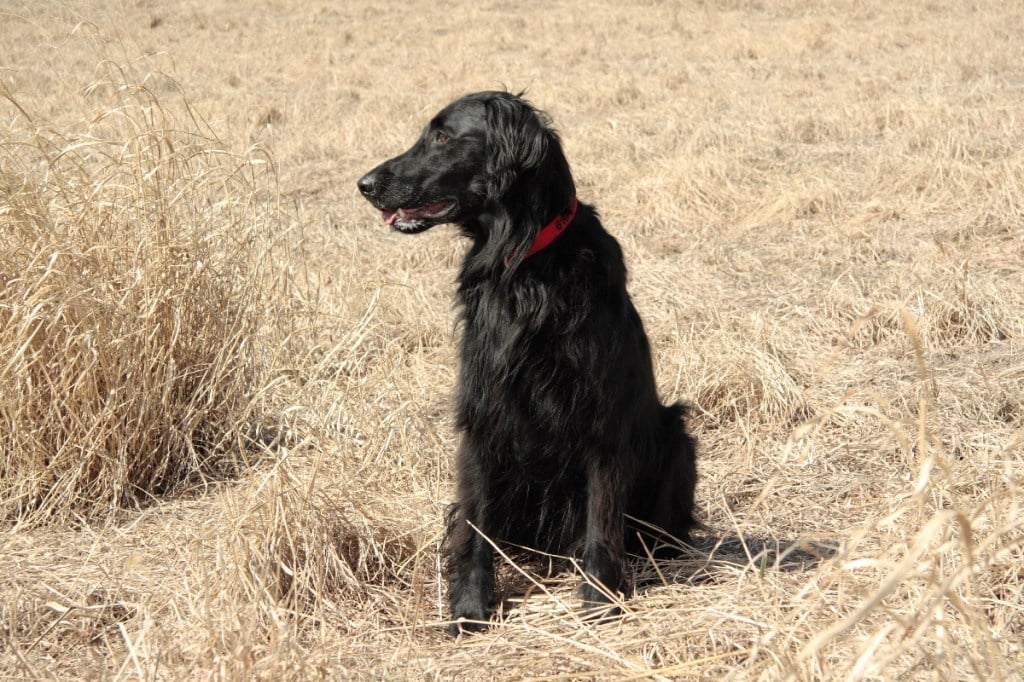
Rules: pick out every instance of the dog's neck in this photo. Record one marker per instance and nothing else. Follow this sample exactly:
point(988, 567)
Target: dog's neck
point(552, 230)
point(549, 232)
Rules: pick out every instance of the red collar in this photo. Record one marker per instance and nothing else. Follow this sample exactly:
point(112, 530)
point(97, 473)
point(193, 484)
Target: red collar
point(552, 230)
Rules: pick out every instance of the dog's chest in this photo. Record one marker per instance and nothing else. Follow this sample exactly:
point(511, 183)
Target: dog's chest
point(522, 325)
point(505, 340)
point(526, 371)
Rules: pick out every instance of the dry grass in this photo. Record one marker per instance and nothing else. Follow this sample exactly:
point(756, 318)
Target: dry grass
point(135, 290)
point(225, 387)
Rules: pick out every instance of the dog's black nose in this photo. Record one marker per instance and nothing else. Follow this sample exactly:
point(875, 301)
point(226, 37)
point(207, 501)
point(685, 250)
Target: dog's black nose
point(368, 184)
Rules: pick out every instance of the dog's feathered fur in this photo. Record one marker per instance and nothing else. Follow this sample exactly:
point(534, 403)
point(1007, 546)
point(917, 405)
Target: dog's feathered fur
point(563, 434)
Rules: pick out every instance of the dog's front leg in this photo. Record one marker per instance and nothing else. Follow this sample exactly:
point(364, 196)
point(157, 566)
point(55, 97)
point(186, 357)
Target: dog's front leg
point(603, 553)
point(471, 581)
point(470, 555)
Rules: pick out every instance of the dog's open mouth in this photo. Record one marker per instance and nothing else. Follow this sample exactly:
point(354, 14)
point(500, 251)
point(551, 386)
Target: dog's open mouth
point(412, 220)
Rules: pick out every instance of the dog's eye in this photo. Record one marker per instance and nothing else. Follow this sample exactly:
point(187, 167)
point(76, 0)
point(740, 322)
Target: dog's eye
point(440, 138)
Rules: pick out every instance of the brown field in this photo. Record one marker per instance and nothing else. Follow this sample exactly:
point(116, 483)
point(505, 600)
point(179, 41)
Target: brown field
point(225, 386)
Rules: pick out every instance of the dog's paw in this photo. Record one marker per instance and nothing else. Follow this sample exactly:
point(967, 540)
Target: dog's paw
point(598, 606)
point(467, 626)
point(600, 613)
point(468, 616)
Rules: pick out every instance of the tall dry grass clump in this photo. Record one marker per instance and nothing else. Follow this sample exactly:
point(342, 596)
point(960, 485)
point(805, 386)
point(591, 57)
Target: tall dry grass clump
point(134, 296)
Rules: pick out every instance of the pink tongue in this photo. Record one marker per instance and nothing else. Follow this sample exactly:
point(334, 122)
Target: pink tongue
point(423, 211)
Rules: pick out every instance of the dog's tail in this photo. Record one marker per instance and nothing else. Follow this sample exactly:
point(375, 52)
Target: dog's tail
point(680, 472)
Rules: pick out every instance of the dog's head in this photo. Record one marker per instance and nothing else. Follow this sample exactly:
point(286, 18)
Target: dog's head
point(472, 159)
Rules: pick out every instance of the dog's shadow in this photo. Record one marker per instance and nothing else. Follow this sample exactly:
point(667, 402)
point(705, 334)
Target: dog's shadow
point(710, 558)
point(713, 558)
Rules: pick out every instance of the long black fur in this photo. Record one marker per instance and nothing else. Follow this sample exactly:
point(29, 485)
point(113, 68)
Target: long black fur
point(563, 434)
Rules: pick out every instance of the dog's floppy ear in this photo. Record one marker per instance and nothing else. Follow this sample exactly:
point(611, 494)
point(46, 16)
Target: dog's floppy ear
point(517, 141)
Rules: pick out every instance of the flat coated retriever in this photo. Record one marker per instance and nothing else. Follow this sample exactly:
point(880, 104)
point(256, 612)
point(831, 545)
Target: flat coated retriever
point(565, 444)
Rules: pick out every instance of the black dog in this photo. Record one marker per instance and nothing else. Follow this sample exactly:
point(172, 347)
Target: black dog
point(564, 439)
